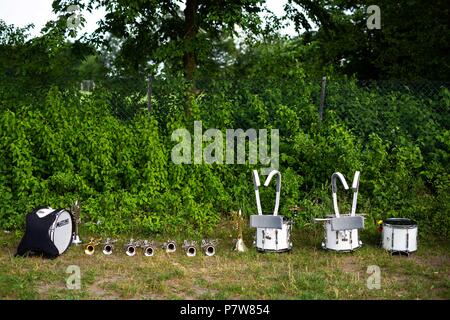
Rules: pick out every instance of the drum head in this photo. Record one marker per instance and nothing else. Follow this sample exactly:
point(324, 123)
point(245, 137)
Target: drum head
point(62, 234)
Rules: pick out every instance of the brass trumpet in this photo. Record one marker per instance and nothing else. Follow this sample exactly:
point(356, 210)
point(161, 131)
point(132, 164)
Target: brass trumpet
point(209, 247)
point(130, 247)
point(89, 249)
point(149, 248)
point(108, 246)
point(170, 246)
point(238, 225)
point(75, 210)
point(190, 247)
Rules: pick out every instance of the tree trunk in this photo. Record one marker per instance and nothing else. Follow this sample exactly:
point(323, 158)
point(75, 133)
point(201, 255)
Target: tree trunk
point(190, 32)
point(189, 60)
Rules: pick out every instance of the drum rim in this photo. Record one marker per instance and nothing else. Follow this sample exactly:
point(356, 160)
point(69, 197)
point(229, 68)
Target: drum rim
point(53, 227)
point(397, 223)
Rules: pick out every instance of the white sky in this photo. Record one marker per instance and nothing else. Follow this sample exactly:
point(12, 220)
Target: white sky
point(23, 12)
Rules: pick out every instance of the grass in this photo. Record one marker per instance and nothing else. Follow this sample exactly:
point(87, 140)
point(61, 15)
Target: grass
point(306, 273)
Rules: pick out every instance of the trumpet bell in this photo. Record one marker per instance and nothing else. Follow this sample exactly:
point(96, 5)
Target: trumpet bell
point(149, 251)
point(89, 249)
point(210, 251)
point(171, 247)
point(191, 251)
point(130, 251)
point(107, 249)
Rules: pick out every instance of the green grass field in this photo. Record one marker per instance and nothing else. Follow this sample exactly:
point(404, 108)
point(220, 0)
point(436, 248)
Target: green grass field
point(306, 273)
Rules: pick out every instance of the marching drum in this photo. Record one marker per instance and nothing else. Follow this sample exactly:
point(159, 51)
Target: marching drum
point(277, 240)
point(273, 232)
point(341, 231)
point(340, 240)
point(48, 231)
point(399, 235)
point(62, 230)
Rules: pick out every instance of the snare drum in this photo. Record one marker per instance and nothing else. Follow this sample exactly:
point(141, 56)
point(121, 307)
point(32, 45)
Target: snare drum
point(399, 235)
point(275, 240)
point(342, 240)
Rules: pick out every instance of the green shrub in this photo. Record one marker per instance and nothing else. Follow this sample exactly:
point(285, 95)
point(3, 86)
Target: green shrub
point(71, 146)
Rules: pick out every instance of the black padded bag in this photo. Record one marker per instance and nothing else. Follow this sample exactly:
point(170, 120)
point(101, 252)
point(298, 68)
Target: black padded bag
point(36, 239)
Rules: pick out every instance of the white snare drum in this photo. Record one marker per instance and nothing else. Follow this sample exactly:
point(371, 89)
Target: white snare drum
point(342, 240)
point(276, 240)
point(61, 231)
point(399, 235)
point(273, 232)
point(341, 231)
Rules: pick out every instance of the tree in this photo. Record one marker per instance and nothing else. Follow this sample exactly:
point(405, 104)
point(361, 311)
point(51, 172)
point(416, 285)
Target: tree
point(32, 65)
point(153, 32)
point(411, 44)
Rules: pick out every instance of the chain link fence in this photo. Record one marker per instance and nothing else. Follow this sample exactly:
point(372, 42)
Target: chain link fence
point(127, 96)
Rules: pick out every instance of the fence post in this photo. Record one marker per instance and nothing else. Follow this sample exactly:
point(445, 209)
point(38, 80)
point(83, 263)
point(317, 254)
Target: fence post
point(322, 96)
point(149, 93)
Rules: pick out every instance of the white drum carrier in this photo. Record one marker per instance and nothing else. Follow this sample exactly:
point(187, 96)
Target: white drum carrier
point(273, 232)
point(399, 235)
point(341, 231)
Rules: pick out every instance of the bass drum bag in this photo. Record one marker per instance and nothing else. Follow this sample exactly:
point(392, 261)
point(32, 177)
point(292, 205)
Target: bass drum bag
point(39, 238)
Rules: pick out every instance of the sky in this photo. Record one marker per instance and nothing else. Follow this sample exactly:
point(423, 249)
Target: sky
point(23, 12)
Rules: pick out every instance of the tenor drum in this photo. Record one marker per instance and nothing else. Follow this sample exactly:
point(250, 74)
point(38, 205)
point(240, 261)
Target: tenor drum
point(399, 235)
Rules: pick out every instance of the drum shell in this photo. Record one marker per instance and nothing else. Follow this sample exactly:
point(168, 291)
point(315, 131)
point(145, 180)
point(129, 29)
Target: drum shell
point(345, 240)
point(276, 240)
point(399, 238)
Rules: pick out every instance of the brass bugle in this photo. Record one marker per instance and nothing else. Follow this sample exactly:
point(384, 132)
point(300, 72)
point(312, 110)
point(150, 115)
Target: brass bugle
point(170, 246)
point(108, 247)
point(190, 247)
point(89, 249)
point(130, 248)
point(239, 245)
point(148, 248)
point(209, 247)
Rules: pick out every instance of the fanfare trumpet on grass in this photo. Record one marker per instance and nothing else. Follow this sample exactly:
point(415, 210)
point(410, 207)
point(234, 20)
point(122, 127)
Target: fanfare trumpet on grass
point(130, 247)
point(75, 209)
point(89, 248)
point(170, 246)
point(108, 246)
point(148, 247)
point(238, 223)
point(209, 247)
point(190, 247)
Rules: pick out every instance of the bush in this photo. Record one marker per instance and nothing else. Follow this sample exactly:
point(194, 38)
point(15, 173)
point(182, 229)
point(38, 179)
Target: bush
point(71, 146)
